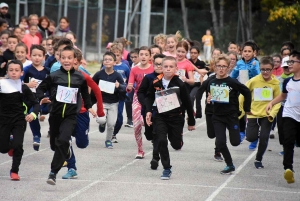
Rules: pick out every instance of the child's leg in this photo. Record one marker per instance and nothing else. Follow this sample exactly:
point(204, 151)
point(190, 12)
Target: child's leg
point(119, 121)
point(62, 142)
point(252, 129)
point(280, 126)
point(289, 131)
point(175, 126)
point(210, 126)
point(137, 122)
point(17, 131)
point(54, 124)
point(148, 129)
point(111, 118)
point(5, 131)
point(35, 126)
point(193, 94)
point(162, 130)
point(82, 130)
point(265, 128)
point(72, 161)
point(232, 124)
point(198, 106)
point(220, 130)
point(128, 106)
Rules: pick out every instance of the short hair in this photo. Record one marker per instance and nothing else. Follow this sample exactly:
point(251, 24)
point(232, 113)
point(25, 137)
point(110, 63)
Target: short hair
point(32, 15)
point(159, 56)
point(68, 48)
point(295, 53)
point(5, 32)
point(52, 22)
point(116, 47)
point(33, 25)
point(64, 41)
point(110, 54)
point(156, 46)
point(135, 51)
point(218, 49)
point(23, 45)
point(232, 43)
point(55, 40)
point(38, 47)
point(285, 49)
point(223, 57)
point(233, 53)
point(44, 18)
point(13, 36)
point(145, 48)
point(278, 56)
point(267, 60)
point(251, 44)
point(50, 38)
point(78, 54)
point(160, 36)
point(3, 21)
point(169, 58)
point(14, 61)
point(196, 48)
point(172, 36)
point(289, 44)
point(23, 18)
point(64, 18)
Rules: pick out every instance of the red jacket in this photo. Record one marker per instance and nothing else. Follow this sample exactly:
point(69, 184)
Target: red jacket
point(90, 82)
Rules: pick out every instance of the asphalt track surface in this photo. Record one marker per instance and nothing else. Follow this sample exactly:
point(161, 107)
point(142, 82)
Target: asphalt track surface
point(114, 174)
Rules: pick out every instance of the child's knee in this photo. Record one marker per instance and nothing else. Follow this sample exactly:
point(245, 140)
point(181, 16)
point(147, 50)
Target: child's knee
point(177, 145)
point(82, 144)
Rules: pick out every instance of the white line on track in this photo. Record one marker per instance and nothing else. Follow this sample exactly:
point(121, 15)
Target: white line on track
point(112, 173)
point(218, 190)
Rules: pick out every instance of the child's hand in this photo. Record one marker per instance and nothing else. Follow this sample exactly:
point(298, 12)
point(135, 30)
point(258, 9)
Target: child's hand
point(148, 118)
point(3, 65)
point(92, 112)
point(208, 98)
point(32, 84)
point(249, 113)
point(101, 120)
point(117, 84)
point(269, 108)
point(29, 118)
point(191, 128)
point(129, 87)
point(45, 100)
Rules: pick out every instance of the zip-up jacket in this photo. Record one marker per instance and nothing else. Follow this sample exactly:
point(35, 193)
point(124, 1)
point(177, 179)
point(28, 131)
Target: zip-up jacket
point(184, 96)
point(71, 79)
point(252, 66)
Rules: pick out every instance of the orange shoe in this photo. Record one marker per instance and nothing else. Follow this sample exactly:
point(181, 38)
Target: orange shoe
point(11, 152)
point(14, 176)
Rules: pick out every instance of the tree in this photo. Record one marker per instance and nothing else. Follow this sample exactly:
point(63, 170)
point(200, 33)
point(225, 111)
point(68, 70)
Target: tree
point(184, 18)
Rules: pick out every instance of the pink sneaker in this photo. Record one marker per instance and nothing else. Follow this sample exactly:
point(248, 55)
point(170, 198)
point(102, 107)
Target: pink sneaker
point(140, 155)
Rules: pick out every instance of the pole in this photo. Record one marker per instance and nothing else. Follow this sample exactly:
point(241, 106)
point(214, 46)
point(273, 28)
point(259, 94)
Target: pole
point(116, 19)
point(66, 8)
point(145, 23)
point(78, 19)
point(59, 11)
point(17, 12)
point(126, 19)
point(43, 8)
point(84, 27)
point(100, 20)
point(165, 16)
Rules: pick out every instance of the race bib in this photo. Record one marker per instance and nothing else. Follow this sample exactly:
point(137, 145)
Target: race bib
point(263, 94)
point(180, 73)
point(38, 83)
point(8, 86)
point(243, 76)
point(219, 94)
point(167, 100)
point(293, 99)
point(107, 87)
point(197, 77)
point(66, 94)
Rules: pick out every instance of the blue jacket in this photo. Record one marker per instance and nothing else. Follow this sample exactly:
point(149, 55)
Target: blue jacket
point(252, 66)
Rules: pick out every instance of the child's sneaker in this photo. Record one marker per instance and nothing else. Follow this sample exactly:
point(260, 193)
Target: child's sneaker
point(14, 176)
point(71, 174)
point(242, 136)
point(253, 145)
point(281, 153)
point(114, 139)
point(108, 144)
point(102, 128)
point(36, 142)
point(154, 164)
point(11, 152)
point(166, 174)
point(228, 170)
point(258, 165)
point(289, 176)
point(272, 135)
point(218, 157)
point(51, 179)
point(129, 123)
point(140, 155)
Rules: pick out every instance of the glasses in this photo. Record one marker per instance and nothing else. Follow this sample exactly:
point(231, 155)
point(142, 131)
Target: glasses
point(156, 64)
point(266, 70)
point(221, 67)
point(291, 62)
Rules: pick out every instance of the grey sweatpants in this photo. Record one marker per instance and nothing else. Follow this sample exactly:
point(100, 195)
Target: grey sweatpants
point(111, 113)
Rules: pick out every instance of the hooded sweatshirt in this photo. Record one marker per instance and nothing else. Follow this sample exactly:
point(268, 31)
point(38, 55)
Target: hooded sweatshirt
point(258, 108)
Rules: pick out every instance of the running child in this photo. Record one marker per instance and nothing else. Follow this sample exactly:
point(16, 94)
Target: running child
point(20, 54)
point(169, 121)
point(263, 88)
point(66, 87)
point(290, 115)
point(225, 90)
point(13, 118)
point(9, 53)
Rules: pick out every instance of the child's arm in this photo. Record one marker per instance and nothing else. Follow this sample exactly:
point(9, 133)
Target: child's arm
point(142, 92)
point(44, 87)
point(247, 96)
point(189, 80)
point(281, 97)
point(235, 72)
point(130, 81)
point(30, 101)
point(186, 101)
point(150, 97)
point(86, 98)
point(273, 112)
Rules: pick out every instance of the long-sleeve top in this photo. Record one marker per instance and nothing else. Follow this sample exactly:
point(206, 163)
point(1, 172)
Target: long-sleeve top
point(209, 109)
point(252, 66)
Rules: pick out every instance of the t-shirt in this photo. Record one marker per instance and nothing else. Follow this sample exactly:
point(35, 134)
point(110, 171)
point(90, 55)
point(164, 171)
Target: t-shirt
point(30, 40)
point(169, 54)
point(186, 66)
point(208, 39)
point(123, 70)
point(292, 105)
point(27, 63)
point(137, 74)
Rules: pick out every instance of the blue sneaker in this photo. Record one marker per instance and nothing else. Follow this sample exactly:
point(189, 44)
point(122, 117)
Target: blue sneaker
point(102, 128)
point(228, 170)
point(166, 174)
point(36, 142)
point(71, 174)
point(108, 144)
point(253, 145)
point(242, 136)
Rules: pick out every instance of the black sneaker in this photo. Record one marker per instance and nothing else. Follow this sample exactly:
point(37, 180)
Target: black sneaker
point(102, 128)
point(114, 139)
point(228, 170)
point(154, 164)
point(51, 179)
point(258, 165)
point(218, 157)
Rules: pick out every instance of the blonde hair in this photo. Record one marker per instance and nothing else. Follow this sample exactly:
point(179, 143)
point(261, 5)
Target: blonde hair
point(123, 41)
point(116, 47)
point(177, 37)
point(223, 57)
point(169, 58)
point(159, 37)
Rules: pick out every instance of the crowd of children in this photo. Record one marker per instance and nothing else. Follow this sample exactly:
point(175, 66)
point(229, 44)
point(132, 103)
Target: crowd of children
point(44, 73)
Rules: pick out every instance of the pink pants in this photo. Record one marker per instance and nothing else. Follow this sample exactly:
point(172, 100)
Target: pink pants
point(137, 119)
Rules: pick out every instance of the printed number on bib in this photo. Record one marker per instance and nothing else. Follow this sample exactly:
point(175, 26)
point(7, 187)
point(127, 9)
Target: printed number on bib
point(180, 73)
point(263, 94)
point(167, 100)
point(66, 94)
point(219, 94)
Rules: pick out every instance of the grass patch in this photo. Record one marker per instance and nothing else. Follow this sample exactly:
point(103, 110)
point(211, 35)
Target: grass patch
point(93, 67)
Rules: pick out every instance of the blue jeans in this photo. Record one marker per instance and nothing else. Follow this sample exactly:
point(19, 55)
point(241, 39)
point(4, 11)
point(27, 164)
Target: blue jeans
point(119, 121)
point(35, 124)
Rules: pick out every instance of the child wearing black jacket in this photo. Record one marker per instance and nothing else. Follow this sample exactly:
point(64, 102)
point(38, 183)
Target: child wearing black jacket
point(15, 99)
point(224, 93)
point(172, 99)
